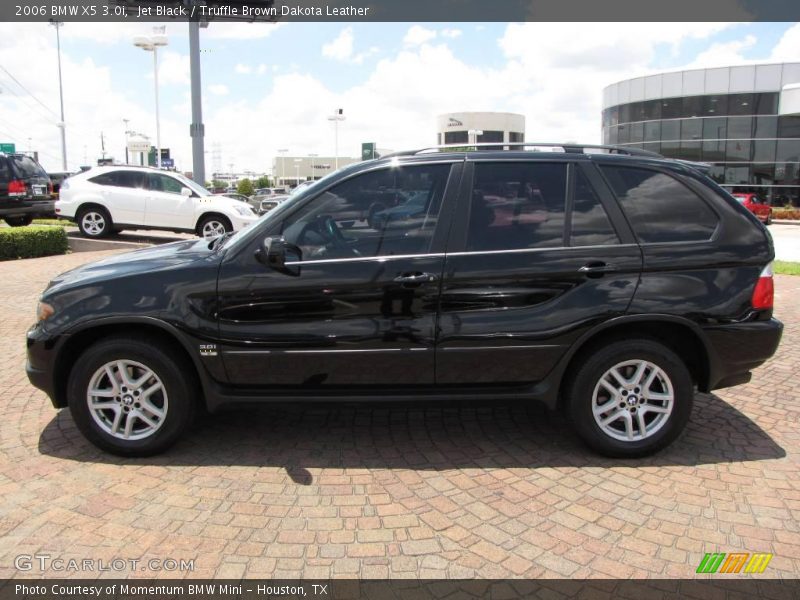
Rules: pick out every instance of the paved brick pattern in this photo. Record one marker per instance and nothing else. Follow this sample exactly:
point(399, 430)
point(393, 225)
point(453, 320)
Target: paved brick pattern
point(404, 491)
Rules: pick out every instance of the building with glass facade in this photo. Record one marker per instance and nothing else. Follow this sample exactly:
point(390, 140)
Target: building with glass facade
point(743, 120)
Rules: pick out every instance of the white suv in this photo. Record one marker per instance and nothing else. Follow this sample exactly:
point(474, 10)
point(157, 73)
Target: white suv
point(103, 200)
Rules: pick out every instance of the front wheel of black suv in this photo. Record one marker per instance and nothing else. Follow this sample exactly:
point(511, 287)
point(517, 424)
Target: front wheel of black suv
point(18, 221)
point(630, 398)
point(131, 397)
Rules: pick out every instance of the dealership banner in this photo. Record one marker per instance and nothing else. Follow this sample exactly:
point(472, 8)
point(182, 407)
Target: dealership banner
point(399, 10)
point(722, 588)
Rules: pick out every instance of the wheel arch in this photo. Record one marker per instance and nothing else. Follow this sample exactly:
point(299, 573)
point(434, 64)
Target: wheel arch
point(79, 340)
point(682, 336)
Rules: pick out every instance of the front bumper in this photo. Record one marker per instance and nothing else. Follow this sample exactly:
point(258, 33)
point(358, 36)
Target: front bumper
point(40, 366)
point(739, 348)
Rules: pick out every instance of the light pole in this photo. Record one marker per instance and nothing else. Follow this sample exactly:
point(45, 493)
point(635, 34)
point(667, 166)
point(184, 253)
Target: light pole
point(151, 44)
point(313, 174)
point(472, 136)
point(61, 124)
point(297, 162)
point(282, 152)
point(127, 133)
point(336, 117)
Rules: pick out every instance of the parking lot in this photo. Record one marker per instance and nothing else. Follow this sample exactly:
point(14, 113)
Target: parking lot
point(374, 491)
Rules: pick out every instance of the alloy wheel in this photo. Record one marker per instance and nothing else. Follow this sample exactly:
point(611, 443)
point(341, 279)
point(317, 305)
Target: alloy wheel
point(93, 223)
point(633, 400)
point(213, 229)
point(127, 399)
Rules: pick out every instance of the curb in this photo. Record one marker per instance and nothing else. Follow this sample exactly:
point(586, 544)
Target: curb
point(79, 244)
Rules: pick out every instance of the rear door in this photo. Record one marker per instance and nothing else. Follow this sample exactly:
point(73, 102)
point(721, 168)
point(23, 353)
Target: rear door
point(537, 257)
point(123, 195)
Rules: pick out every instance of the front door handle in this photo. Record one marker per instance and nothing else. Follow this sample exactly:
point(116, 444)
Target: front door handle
point(597, 269)
point(415, 278)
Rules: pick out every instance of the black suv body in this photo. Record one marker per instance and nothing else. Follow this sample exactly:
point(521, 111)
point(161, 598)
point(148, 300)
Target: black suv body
point(612, 286)
point(25, 190)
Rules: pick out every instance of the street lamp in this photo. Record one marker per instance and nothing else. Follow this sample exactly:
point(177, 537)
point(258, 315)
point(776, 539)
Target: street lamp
point(313, 174)
point(336, 117)
point(61, 124)
point(151, 44)
point(297, 162)
point(282, 152)
point(472, 136)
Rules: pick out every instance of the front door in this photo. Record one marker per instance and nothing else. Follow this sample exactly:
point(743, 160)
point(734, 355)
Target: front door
point(166, 206)
point(536, 259)
point(361, 309)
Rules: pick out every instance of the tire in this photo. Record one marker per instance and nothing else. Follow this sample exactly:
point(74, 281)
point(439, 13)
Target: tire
point(585, 390)
point(18, 221)
point(168, 411)
point(95, 222)
point(212, 226)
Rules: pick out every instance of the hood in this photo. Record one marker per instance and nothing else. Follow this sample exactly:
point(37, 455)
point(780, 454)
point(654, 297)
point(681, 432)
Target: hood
point(147, 260)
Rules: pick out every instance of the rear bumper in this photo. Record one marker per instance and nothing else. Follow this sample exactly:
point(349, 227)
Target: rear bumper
point(27, 208)
point(739, 348)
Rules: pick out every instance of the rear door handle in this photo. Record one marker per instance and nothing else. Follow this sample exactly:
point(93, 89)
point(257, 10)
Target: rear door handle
point(415, 278)
point(597, 269)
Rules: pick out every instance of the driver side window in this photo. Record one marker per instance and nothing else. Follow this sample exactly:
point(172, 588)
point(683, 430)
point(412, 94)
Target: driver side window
point(386, 212)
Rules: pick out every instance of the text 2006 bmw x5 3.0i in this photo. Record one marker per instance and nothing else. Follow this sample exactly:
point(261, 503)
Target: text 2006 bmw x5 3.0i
point(610, 283)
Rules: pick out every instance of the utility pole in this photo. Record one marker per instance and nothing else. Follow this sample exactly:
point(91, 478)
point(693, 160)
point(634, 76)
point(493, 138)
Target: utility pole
point(196, 128)
point(127, 132)
point(61, 125)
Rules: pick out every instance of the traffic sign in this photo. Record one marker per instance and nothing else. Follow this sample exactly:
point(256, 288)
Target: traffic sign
point(168, 162)
point(8, 148)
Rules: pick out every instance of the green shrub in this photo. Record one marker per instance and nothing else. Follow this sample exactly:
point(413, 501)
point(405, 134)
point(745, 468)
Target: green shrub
point(32, 241)
point(54, 222)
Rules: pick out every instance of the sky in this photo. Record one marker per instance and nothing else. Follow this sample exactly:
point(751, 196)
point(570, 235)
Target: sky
point(272, 86)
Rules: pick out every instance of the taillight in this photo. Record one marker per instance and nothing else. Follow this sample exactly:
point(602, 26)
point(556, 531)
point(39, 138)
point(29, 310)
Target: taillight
point(764, 292)
point(16, 188)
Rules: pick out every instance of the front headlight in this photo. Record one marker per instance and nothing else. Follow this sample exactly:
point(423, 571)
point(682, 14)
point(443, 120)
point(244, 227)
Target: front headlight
point(44, 311)
point(244, 211)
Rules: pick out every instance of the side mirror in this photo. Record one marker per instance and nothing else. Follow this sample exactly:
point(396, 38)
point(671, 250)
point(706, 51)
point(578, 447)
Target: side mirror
point(186, 192)
point(275, 252)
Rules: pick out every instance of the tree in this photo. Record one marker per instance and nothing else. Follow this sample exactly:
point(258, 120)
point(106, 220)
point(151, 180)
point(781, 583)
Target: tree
point(262, 182)
point(245, 187)
point(218, 184)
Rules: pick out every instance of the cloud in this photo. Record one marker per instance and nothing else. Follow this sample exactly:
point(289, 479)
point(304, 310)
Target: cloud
point(173, 68)
point(417, 35)
point(788, 48)
point(218, 89)
point(243, 69)
point(342, 48)
point(241, 31)
point(451, 33)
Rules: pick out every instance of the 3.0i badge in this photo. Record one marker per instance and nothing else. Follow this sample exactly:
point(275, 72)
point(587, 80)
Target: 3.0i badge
point(208, 349)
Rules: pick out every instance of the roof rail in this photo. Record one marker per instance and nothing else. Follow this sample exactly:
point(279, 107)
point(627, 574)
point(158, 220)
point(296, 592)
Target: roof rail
point(568, 148)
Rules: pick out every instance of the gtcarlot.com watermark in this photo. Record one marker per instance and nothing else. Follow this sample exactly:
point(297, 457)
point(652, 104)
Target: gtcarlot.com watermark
point(46, 562)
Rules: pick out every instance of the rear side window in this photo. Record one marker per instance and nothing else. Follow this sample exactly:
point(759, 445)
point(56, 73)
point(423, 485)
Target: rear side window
point(590, 223)
point(660, 208)
point(27, 167)
point(5, 176)
point(126, 179)
point(517, 205)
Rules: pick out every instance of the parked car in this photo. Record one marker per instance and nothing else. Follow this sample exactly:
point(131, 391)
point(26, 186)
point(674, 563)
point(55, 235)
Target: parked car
point(266, 204)
point(300, 187)
point(760, 208)
point(25, 190)
point(108, 199)
point(638, 282)
point(236, 196)
point(57, 179)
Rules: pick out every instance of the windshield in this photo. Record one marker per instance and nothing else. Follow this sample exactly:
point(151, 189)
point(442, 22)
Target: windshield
point(198, 189)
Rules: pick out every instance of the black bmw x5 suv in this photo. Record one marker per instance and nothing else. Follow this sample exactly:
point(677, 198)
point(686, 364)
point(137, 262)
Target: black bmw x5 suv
point(612, 284)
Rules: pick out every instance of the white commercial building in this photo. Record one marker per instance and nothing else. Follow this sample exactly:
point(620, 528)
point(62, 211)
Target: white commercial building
point(480, 127)
point(291, 170)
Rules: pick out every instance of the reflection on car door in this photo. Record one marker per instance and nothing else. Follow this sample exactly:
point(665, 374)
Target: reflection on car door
point(124, 195)
point(536, 258)
point(362, 310)
point(166, 206)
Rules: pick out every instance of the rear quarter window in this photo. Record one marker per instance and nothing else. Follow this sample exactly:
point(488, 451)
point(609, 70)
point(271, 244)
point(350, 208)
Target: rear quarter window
point(659, 207)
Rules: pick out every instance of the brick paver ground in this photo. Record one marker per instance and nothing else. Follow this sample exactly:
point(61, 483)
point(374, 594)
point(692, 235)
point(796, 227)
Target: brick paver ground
point(376, 491)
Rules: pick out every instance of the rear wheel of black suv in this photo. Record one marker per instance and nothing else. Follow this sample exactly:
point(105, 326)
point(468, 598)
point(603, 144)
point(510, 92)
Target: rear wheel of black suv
point(630, 398)
point(131, 397)
point(18, 221)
